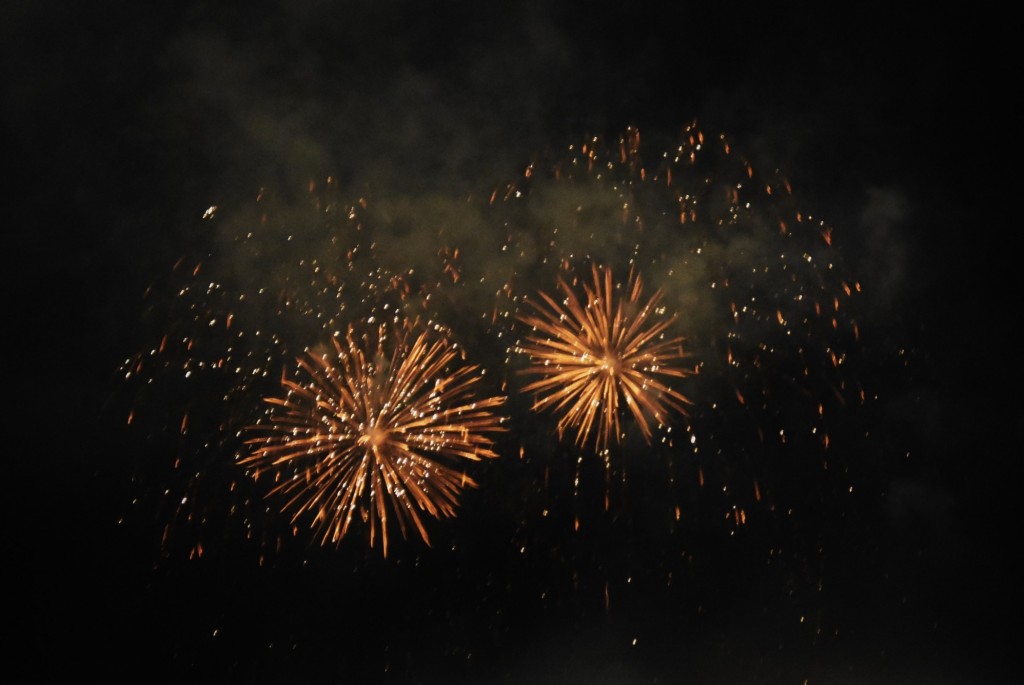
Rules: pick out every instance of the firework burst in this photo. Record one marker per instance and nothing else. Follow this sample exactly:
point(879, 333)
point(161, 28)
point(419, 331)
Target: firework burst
point(596, 353)
point(769, 317)
point(376, 434)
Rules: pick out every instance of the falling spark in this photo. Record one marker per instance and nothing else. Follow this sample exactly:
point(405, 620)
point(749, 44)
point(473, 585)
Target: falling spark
point(376, 434)
point(596, 353)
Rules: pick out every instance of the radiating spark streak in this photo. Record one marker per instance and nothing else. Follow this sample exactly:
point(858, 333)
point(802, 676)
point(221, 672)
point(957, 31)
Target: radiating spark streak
point(594, 354)
point(376, 434)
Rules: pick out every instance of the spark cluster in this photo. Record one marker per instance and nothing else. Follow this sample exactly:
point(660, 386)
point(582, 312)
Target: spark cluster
point(594, 353)
point(376, 431)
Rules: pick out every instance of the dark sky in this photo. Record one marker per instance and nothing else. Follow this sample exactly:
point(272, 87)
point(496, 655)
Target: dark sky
point(124, 122)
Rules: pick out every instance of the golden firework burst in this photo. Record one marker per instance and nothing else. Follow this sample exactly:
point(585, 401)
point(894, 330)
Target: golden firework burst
point(374, 433)
point(594, 353)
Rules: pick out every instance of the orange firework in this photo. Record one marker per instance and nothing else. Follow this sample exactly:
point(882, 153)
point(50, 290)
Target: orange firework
point(375, 433)
point(594, 353)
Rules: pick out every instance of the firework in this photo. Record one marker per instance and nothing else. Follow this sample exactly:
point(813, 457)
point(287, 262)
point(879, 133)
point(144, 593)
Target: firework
point(759, 289)
point(595, 353)
point(376, 434)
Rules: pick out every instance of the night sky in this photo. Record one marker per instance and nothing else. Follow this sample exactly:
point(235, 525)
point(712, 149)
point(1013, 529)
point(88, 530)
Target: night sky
point(885, 558)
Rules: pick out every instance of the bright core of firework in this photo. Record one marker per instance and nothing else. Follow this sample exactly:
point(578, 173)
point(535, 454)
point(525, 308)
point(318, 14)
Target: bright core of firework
point(376, 434)
point(594, 353)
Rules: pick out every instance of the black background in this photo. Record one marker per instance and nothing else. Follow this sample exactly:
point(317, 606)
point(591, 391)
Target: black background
point(123, 122)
